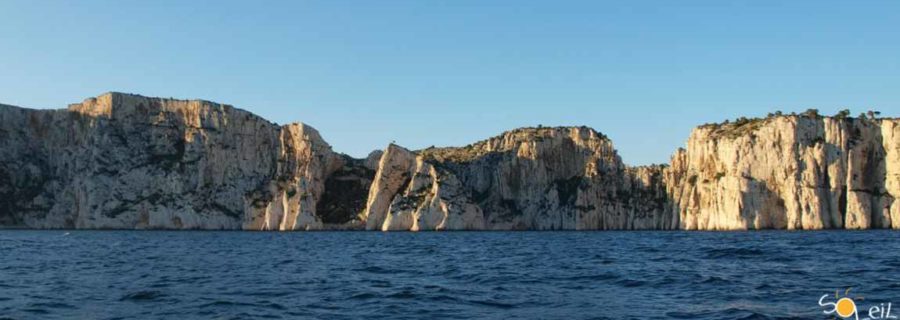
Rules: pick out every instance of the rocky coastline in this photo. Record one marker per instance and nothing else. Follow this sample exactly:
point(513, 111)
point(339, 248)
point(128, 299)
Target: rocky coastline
point(124, 161)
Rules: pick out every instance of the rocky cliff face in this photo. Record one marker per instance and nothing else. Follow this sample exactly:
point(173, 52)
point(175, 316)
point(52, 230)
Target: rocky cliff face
point(526, 179)
point(126, 161)
point(789, 172)
point(784, 172)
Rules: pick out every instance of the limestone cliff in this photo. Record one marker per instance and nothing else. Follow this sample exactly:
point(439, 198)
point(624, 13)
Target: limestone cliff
point(567, 178)
point(127, 161)
point(789, 172)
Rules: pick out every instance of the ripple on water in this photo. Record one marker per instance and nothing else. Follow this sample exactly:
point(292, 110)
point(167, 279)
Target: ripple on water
point(493, 304)
point(403, 295)
point(713, 280)
point(364, 296)
point(50, 305)
point(36, 310)
point(225, 303)
point(731, 253)
point(375, 270)
point(143, 295)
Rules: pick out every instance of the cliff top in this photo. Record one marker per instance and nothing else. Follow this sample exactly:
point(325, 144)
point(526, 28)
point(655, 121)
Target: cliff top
point(743, 125)
point(118, 94)
point(114, 97)
point(505, 140)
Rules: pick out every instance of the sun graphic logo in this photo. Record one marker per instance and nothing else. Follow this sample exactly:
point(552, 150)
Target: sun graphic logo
point(846, 307)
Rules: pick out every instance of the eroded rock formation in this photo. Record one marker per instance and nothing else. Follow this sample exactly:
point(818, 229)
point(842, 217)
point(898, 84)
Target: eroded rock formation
point(789, 172)
point(525, 179)
point(127, 161)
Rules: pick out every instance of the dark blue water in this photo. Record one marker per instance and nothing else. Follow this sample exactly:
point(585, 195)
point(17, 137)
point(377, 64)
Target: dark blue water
point(572, 275)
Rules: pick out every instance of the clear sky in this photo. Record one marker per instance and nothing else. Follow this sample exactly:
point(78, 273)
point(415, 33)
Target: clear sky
point(423, 73)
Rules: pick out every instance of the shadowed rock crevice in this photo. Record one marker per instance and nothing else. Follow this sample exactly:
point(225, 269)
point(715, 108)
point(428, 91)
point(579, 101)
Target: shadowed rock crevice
point(345, 192)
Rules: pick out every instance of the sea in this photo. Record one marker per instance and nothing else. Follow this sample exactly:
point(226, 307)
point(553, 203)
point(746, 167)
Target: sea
point(446, 275)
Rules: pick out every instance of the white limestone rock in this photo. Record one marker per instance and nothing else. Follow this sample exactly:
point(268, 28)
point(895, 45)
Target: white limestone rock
point(121, 161)
point(787, 172)
point(127, 161)
point(534, 179)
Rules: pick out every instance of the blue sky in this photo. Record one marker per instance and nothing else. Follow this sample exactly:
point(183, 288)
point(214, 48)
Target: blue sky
point(424, 73)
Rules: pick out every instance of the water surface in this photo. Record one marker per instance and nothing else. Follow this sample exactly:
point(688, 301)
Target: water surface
point(572, 275)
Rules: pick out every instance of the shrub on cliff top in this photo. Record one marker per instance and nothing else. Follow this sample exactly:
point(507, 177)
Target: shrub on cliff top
point(811, 113)
point(843, 114)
